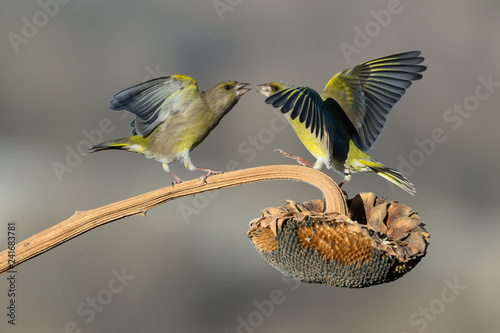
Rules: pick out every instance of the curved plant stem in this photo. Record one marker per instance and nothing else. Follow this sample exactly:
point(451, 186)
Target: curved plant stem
point(83, 221)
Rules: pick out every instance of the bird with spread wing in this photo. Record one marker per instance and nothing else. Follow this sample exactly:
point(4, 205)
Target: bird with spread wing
point(341, 124)
point(172, 117)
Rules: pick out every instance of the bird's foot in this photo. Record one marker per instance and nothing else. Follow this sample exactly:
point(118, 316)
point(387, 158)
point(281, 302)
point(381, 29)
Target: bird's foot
point(299, 159)
point(177, 179)
point(209, 172)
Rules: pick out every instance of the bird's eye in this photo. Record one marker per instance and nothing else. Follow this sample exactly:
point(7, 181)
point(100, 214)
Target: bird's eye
point(275, 88)
point(228, 87)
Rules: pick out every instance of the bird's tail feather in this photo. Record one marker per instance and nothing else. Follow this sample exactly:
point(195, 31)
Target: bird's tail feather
point(115, 144)
point(391, 175)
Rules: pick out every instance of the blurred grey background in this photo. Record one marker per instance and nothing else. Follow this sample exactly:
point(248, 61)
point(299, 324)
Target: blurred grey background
point(188, 265)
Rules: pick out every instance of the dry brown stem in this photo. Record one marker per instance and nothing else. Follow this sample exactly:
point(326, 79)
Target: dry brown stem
point(83, 221)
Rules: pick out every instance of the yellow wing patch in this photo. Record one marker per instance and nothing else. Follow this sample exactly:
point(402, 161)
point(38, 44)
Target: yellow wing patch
point(185, 78)
point(340, 90)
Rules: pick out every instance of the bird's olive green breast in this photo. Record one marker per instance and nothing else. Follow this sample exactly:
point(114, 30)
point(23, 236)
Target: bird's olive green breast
point(182, 131)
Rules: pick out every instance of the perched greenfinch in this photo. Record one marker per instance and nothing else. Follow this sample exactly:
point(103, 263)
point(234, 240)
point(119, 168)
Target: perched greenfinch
point(339, 126)
point(172, 117)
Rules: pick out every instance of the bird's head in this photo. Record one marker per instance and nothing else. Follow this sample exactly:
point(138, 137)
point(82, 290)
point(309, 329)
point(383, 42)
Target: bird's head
point(224, 95)
point(268, 89)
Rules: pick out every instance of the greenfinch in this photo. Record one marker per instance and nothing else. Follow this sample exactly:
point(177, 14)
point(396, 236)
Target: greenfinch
point(339, 126)
point(172, 117)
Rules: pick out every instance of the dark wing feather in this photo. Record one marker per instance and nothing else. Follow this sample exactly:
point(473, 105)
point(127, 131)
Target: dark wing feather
point(305, 103)
point(152, 101)
point(369, 91)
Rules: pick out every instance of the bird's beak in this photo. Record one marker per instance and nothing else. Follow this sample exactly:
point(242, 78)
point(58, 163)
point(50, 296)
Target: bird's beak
point(240, 88)
point(265, 89)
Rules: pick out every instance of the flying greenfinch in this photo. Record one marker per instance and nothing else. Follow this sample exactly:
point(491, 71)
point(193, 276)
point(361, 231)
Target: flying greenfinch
point(339, 126)
point(172, 117)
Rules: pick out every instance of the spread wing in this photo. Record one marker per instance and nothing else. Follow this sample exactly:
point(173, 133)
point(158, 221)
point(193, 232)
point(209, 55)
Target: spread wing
point(305, 103)
point(153, 101)
point(368, 92)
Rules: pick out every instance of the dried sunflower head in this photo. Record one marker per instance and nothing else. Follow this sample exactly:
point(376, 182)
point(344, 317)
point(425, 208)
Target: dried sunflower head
point(379, 241)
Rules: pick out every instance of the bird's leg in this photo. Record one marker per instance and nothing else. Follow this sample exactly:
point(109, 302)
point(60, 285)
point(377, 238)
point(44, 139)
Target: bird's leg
point(189, 165)
point(167, 169)
point(347, 178)
point(177, 179)
point(209, 172)
point(299, 159)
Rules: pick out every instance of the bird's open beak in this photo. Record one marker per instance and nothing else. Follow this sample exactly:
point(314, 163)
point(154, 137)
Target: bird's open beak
point(240, 88)
point(265, 89)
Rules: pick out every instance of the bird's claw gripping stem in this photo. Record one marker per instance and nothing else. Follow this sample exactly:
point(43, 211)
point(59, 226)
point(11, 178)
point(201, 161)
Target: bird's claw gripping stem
point(299, 159)
point(209, 172)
